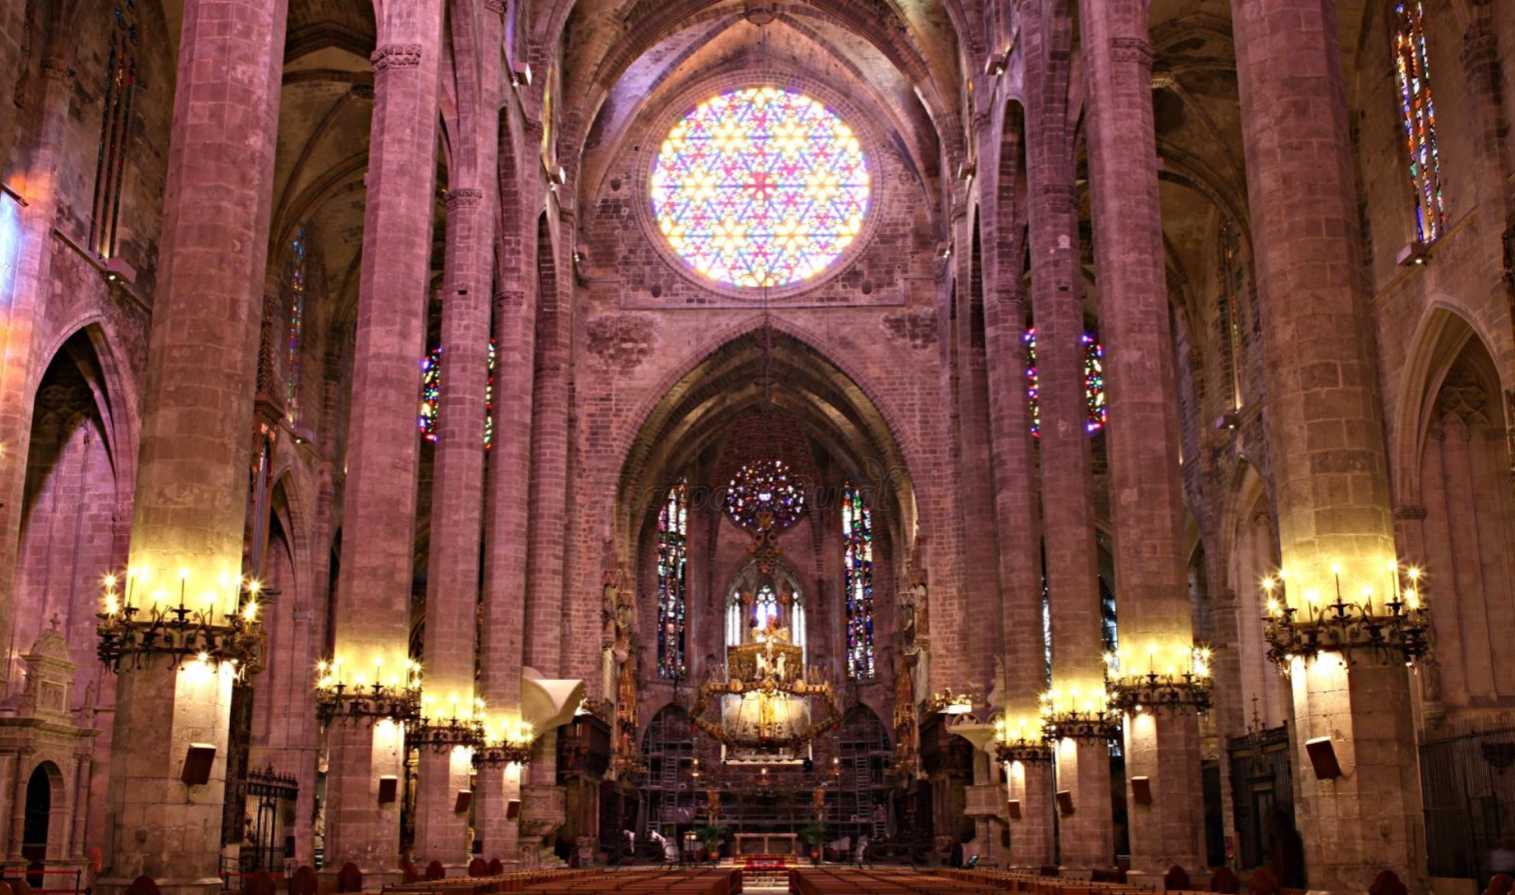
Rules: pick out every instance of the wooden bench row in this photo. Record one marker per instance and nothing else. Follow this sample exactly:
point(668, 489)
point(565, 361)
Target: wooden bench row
point(831, 881)
point(676, 882)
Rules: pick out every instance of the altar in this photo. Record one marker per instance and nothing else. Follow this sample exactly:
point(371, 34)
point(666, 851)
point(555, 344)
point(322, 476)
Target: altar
point(766, 844)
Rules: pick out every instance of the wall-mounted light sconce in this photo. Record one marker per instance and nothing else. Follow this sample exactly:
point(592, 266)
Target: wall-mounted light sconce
point(521, 77)
point(996, 64)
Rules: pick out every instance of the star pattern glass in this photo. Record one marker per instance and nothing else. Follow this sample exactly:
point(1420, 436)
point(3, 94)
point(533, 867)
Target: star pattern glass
point(761, 187)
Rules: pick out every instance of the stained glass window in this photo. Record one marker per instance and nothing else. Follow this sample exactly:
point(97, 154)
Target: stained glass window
point(431, 396)
point(673, 533)
point(857, 566)
point(765, 486)
point(761, 187)
point(1094, 383)
point(765, 607)
point(1412, 68)
point(115, 127)
point(296, 324)
point(431, 393)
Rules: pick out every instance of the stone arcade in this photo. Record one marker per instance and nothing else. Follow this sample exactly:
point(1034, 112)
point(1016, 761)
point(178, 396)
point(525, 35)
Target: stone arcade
point(473, 437)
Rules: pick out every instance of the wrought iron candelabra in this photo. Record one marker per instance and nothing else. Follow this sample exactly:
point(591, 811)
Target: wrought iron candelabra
point(1076, 719)
point(1183, 685)
point(336, 699)
point(1397, 628)
point(132, 633)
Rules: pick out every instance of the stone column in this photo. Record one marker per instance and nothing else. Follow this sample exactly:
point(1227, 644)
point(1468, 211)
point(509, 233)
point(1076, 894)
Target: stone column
point(452, 581)
point(542, 800)
point(508, 506)
point(1151, 579)
point(1325, 434)
point(975, 482)
point(191, 488)
point(1083, 767)
point(1005, 311)
point(373, 593)
point(26, 237)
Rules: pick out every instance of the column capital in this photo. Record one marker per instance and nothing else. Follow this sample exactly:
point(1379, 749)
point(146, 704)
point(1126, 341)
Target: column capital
point(396, 56)
point(465, 197)
point(1131, 49)
point(56, 68)
point(1061, 196)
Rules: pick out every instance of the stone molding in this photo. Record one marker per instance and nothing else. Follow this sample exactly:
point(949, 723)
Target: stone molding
point(55, 68)
point(465, 197)
point(1410, 513)
point(1131, 49)
point(495, 6)
point(1061, 196)
point(396, 56)
point(510, 298)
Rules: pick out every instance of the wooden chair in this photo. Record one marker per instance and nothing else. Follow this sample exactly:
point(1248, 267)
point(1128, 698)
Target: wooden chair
point(1224, 882)
point(350, 878)
point(497, 867)
point(1262, 882)
point(142, 885)
point(303, 882)
point(1500, 884)
point(1176, 879)
point(261, 883)
point(1387, 882)
point(477, 867)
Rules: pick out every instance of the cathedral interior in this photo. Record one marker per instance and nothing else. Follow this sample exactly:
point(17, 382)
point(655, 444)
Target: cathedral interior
point(977, 442)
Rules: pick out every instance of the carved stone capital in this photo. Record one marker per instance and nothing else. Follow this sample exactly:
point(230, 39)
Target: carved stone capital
point(465, 197)
point(1060, 196)
point(1410, 513)
point(1131, 49)
point(396, 56)
point(56, 68)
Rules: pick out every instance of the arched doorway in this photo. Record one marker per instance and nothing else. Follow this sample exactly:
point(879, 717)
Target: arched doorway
point(44, 798)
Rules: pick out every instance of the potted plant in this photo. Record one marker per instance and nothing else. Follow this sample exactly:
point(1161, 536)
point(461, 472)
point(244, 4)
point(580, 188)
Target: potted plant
point(711, 835)
point(814, 834)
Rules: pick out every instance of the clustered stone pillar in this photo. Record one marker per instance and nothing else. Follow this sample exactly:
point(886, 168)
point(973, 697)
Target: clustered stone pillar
point(1325, 435)
point(373, 593)
point(550, 458)
point(20, 294)
point(509, 507)
point(1030, 782)
point(191, 480)
point(1083, 765)
point(457, 509)
point(1156, 627)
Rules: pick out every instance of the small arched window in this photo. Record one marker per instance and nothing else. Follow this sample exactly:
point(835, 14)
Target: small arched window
point(1412, 69)
point(857, 565)
point(296, 330)
point(673, 551)
point(115, 127)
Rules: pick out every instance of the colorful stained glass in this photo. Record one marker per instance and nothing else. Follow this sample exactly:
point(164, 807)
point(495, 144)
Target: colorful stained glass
point(1412, 67)
point(1094, 383)
point(765, 607)
point(431, 397)
point(673, 533)
point(431, 394)
point(760, 187)
point(857, 567)
point(764, 487)
point(296, 325)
